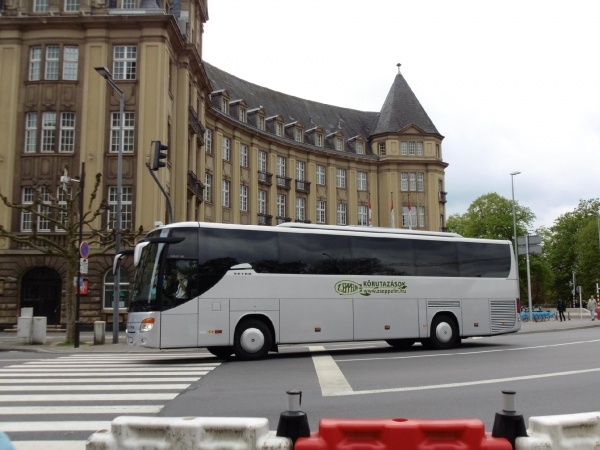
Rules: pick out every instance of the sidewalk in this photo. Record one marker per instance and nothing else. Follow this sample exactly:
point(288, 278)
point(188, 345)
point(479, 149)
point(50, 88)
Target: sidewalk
point(55, 341)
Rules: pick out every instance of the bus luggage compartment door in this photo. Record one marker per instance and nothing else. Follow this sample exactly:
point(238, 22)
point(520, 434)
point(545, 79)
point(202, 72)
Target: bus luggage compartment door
point(179, 326)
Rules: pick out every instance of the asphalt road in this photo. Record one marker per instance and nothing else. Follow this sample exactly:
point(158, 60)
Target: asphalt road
point(552, 373)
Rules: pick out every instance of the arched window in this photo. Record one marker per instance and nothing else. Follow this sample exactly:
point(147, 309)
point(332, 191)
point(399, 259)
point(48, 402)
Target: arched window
point(109, 283)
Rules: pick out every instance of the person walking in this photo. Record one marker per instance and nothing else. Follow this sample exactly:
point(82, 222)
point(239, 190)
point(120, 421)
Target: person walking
point(592, 305)
point(561, 309)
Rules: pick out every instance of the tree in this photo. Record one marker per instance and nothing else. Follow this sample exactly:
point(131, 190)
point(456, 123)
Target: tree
point(490, 217)
point(62, 212)
point(572, 246)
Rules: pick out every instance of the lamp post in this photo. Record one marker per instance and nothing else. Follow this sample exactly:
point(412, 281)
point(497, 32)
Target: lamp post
point(512, 183)
point(105, 73)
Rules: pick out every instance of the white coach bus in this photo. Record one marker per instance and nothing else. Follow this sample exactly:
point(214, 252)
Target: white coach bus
point(246, 289)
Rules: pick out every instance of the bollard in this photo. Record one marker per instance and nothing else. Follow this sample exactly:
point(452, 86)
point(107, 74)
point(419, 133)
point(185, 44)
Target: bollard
point(293, 423)
point(99, 332)
point(38, 335)
point(507, 423)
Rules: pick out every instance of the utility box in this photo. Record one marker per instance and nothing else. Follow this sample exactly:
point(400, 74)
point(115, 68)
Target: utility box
point(25, 329)
point(38, 335)
point(99, 332)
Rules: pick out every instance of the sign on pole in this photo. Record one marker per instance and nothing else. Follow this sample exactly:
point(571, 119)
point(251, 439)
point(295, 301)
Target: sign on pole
point(84, 250)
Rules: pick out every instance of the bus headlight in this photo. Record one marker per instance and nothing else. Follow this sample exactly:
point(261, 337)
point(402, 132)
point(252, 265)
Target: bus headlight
point(147, 324)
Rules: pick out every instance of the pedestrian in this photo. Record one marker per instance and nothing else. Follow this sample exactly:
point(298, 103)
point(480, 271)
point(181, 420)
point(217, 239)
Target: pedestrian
point(592, 305)
point(561, 309)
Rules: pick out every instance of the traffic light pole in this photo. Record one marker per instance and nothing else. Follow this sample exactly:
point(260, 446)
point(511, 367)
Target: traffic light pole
point(170, 212)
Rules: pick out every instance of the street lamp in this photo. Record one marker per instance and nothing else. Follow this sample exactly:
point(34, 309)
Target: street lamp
point(105, 73)
point(512, 182)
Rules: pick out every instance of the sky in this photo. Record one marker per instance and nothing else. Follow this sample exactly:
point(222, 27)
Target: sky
point(512, 85)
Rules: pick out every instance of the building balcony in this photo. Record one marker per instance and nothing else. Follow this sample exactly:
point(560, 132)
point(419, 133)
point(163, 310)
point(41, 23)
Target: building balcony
point(303, 186)
point(195, 124)
point(284, 182)
point(195, 186)
point(265, 178)
point(442, 196)
point(264, 219)
point(281, 220)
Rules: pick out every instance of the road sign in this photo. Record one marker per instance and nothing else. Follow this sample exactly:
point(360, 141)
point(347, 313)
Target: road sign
point(83, 266)
point(534, 239)
point(533, 250)
point(84, 250)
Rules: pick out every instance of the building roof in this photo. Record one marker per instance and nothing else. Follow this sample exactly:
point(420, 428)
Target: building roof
point(400, 109)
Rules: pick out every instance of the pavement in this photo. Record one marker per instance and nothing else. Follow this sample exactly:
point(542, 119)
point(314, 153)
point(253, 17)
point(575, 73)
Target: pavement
point(56, 340)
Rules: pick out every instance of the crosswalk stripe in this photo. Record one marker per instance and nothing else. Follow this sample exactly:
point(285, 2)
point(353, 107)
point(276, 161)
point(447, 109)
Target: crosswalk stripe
point(49, 445)
point(93, 387)
point(100, 369)
point(88, 380)
point(99, 365)
point(82, 373)
point(89, 397)
point(95, 409)
point(79, 425)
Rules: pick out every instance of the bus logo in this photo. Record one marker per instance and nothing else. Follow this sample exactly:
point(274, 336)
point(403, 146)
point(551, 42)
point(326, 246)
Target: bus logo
point(369, 287)
point(347, 287)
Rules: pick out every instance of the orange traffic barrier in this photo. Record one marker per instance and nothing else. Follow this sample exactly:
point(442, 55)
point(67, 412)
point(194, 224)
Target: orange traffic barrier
point(401, 434)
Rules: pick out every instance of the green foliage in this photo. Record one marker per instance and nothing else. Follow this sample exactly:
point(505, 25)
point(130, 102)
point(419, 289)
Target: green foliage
point(572, 244)
point(490, 217)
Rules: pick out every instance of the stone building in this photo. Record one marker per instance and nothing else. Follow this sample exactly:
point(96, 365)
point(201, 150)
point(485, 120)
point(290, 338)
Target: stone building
point(237, 152)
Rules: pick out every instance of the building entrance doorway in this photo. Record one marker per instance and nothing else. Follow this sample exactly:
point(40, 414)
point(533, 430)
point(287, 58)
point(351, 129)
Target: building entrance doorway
point(40, 290)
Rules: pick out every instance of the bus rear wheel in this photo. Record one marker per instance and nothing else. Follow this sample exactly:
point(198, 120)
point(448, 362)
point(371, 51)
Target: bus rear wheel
point(221, 352)
point(400, 344)
point(444, 333)
point(252, 340)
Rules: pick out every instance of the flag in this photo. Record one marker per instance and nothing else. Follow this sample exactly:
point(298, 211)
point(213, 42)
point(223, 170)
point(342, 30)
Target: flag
point(370, 218)
point(392, 219)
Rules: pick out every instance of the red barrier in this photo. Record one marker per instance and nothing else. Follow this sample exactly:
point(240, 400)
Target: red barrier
point(401, 434)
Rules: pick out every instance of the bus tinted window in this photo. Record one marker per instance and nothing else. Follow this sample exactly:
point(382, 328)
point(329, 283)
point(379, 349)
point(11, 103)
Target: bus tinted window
point(186, 249)
point(436, 258)
point(314, 254)
point(220, 249)
point(483, 260)
point(381, 256)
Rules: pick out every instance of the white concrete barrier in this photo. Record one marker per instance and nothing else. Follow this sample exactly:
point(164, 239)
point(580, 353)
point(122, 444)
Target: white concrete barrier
point(99, 332)
point(170, 433)
point(569, 432)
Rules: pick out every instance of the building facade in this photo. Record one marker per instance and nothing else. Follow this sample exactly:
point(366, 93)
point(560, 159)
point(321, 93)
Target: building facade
point(237, 152)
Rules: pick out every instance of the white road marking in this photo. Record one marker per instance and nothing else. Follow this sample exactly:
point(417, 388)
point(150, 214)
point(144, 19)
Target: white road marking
point(471, 383)
point(80, 425)
point(89, 387)
point(70, 381)
point(88, 397)
point(49, 445)
point(93, 409)
point(330, 376)
point(83, 372)
point(333, 382)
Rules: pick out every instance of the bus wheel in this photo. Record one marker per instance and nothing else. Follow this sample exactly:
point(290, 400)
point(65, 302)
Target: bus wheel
point(253, 340)
point(400, 344)
point(444, 333)
point(221, 352)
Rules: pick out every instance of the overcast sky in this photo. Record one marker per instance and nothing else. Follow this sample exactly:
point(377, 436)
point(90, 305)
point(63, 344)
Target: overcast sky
point(513, 85)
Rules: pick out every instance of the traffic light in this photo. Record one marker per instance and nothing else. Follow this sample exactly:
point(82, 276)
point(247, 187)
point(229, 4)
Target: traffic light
point(159, 156)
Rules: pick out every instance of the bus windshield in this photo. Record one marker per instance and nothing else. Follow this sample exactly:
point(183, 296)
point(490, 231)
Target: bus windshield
point(143, 290)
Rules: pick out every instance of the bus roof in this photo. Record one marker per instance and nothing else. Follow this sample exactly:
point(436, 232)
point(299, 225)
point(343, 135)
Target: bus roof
point(367, 229)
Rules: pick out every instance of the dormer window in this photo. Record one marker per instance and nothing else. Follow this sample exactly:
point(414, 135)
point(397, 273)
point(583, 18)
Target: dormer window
point(360, 147)
point(224, 105)
point(260, 123)
point(242, 114)
point(339, 144)
point(278, 129)
point(298, 134)
point(319, 140)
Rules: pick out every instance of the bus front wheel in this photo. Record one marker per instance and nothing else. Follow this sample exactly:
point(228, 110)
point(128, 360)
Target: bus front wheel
point(221, 352)
point(253, 340)
point(444, 333)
